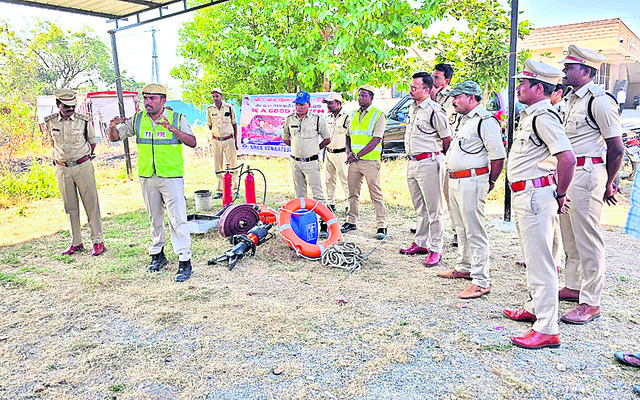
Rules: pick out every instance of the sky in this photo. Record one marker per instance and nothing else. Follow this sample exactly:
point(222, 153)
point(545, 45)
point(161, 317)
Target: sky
point(134, 45)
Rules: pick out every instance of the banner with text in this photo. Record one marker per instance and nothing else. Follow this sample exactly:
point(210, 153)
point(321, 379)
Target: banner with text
point(262, 121)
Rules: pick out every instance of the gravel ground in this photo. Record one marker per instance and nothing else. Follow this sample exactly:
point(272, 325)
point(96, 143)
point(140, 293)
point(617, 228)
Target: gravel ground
point(105, 329)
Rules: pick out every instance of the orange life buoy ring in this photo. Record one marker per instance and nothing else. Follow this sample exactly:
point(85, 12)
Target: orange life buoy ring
point(293, 240)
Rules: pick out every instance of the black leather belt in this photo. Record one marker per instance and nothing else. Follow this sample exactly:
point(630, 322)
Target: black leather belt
point(312, 158)
point(222, 138)
point(334, 151)
point(73, 163)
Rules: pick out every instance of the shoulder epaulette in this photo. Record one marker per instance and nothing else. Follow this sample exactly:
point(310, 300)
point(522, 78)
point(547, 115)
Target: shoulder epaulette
point(83, 117)
point(50, 117)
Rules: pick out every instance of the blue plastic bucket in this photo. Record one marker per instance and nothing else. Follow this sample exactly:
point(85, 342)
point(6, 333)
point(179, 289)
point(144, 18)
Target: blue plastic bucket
point(305, 224)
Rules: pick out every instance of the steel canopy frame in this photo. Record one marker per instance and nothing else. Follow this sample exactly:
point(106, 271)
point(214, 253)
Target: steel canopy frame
point(144, 6)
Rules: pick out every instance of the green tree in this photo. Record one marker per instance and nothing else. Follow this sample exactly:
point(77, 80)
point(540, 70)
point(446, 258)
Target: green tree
point(47, 57)
point(481, 51)
point(270, 46)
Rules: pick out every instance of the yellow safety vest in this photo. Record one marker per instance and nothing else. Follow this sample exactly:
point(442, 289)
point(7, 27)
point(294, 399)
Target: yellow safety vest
point(361, 133)
point(159, 152)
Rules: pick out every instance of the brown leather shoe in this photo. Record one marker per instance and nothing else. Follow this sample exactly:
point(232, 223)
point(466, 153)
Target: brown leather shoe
point(581, 315)
point(536, 340)
point(432, 260)
point(72, 249)
point(567, 294)
point(98, 248)
point(474, 291)
point(520, 315)
point(453, 274)
point(414, 249)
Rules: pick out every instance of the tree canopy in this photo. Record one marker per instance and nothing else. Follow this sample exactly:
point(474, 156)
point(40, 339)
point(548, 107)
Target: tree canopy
point(46, 57)
point(268, 46)
point(480, 52)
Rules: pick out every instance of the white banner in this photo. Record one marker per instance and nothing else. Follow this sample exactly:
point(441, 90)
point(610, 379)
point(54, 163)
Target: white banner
point(262, 119)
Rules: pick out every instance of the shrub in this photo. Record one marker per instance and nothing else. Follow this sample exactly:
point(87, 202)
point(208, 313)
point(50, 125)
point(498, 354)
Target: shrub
point(39, 183)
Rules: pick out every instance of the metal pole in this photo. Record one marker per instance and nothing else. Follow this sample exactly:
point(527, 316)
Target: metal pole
point(512, 94)
point(116, 69)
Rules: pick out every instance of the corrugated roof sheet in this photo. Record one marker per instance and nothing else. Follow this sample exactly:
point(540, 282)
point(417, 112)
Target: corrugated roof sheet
point(102, 8)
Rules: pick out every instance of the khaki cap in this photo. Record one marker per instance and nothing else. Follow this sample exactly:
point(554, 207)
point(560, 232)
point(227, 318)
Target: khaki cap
point(540, 71)
point(154, 88)
point(217, 90)
point(579, 55)
point(333, 97)
point(368, 88)
point(466, 87)
point(66, 97)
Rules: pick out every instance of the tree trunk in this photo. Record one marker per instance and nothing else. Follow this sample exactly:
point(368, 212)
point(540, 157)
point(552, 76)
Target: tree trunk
point(326, 86)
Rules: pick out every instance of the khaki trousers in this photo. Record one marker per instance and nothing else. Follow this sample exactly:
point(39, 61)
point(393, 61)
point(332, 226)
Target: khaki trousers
point(557, 248)
point(224, 152)
point(581, 233)
point(445, 193)
point(535, 210)
point(467, 198)
point(307, 172)
point(424, 179)
point(158, 193)
point(80, 179)
point(370, 170)
point(335, 166)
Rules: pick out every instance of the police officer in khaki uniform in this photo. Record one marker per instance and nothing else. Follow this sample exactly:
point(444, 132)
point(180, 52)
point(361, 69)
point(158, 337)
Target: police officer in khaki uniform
point(442, 75)
point(426, 139)
point(364, 152)
point(474, 161)
point(539, 148)
point(593, 126)
point(221, 119)
point(335, 162)
point(74, 142)
point(301, 131)
point(160, 134)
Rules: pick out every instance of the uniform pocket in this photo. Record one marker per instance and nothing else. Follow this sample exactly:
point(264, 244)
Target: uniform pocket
point(535, 203)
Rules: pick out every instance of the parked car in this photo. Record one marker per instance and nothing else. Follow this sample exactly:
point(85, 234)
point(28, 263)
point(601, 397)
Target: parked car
point(393, 140)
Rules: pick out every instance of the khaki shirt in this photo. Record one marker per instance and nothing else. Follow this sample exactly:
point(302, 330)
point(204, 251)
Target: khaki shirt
point(472, 149)
point(126, 129)
point(531, 156)
point(587, 139)
point(221, 120)
point(447, 103)
point(427, 124)
point(304, 133)
point(338, 128)
point(72, 138)
point(561, 107)
point(379, 127)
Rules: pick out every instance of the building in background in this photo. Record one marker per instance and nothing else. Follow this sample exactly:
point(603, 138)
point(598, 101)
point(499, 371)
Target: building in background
point(609, 37)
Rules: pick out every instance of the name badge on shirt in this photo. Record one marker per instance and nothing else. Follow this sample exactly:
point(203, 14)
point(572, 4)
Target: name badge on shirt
point(161, 134)
point(148, 134)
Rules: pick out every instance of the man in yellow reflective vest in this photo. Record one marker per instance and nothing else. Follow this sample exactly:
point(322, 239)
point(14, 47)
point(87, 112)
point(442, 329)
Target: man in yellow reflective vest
point(160, 133)
point(364, 149)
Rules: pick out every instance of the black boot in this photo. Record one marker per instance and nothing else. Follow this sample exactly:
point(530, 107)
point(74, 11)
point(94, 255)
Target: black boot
point(184, 271)
point(157, 261)
point(323, 230)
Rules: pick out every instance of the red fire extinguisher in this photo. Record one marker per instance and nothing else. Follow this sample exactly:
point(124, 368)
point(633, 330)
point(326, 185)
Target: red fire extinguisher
point(226, 187)
point(250, 187)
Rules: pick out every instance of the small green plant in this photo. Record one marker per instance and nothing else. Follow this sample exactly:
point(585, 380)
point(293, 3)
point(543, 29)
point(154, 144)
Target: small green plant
point(118, 387)
point(10, 258)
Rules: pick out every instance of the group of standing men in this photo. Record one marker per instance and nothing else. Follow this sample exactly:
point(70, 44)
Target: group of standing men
point(559, 156)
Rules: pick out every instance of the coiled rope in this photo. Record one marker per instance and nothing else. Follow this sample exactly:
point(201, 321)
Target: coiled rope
point(343, 255)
